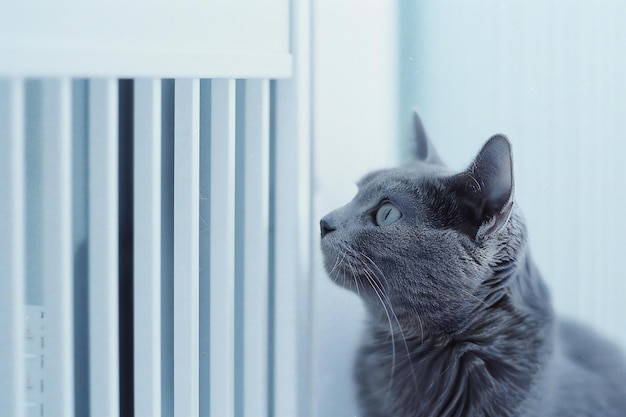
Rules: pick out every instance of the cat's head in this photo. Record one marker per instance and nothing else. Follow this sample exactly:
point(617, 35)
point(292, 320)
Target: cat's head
point(417, 243)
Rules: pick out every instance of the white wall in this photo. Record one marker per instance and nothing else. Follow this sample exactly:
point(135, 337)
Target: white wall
point(354, 132)
point(552, 76)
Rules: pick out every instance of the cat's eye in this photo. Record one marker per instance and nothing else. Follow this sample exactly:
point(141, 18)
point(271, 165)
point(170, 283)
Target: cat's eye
point(387, 213)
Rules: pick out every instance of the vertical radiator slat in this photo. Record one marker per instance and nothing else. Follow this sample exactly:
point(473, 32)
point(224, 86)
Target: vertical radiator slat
point(255, 247)
point(103, 248)
point(291, 273)
point(285, 259)
point(205, 245)
point(80, 239)
point(222, 268)
point(147, 255)
point(186, 248)
point(57, 247)
point(167, 247)
point(12, 249)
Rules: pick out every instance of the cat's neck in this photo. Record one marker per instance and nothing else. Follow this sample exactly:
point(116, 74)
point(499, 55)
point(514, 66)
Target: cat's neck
point(514, 291)
point(493, 361)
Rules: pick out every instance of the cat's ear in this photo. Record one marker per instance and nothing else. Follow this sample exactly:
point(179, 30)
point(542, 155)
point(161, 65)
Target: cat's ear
point(424, 149)
point(486, 187)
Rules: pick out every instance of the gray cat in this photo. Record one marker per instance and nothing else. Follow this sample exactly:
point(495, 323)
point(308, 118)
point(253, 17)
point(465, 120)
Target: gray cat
point(460, 321)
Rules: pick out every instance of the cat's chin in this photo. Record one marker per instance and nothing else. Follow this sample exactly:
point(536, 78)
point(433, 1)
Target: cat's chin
point(348, 284)
point(344, 267)
point(349, 279)
point(337, 273)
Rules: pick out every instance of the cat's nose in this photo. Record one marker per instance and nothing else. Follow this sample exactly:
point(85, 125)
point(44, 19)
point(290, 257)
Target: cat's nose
point(326, 227)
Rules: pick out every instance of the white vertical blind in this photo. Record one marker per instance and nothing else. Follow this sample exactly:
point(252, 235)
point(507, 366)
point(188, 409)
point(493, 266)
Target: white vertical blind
point(103, 248)
point(255, 247)
point(186, 249)
point(222, 248)
point(12, 249)
point(57, 247)
point(147, 236)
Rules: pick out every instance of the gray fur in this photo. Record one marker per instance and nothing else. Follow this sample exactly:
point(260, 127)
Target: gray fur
point(460, 320)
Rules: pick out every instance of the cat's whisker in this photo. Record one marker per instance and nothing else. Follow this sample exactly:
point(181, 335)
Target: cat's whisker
point(375, 266)
point(421, 326)
point(354, 276)
point(337, 263)
point(402, 335)
point(371, 274)
point(356, 283)
point(473, 296)
point(393, 343)
point(368, 271)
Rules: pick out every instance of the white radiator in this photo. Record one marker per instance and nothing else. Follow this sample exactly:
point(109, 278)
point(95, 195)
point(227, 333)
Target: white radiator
point(142, 223)
point(154, 232)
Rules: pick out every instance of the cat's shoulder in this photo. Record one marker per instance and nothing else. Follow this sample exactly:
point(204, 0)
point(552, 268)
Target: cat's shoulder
point(587, 348)
point(591, 370)
point(584, 378)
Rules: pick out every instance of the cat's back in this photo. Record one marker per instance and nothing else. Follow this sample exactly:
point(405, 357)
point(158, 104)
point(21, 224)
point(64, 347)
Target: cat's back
point(588, 374)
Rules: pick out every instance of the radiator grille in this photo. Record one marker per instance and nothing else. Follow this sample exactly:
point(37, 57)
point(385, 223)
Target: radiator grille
point(141, 224)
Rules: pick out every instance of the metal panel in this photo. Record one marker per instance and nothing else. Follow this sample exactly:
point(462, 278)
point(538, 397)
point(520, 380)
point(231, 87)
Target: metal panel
point(103, 248)
point(12, 245)
point(186, 248)
point(222, 227)
point(255, 239)
point(147, 236)
point(57, 247)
